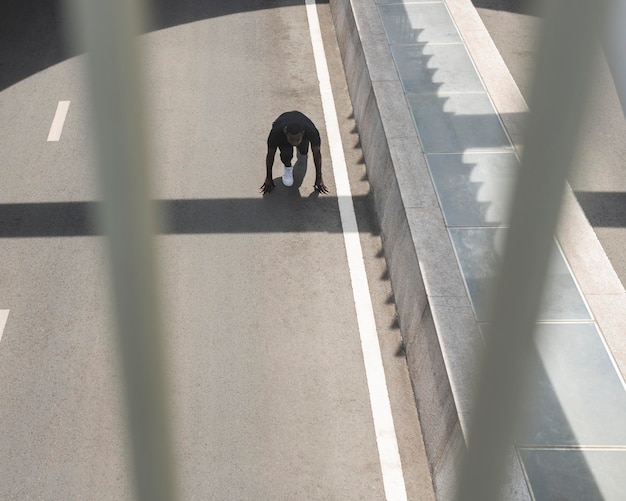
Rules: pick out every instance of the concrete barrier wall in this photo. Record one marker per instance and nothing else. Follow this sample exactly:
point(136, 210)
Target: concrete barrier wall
point(410, 218)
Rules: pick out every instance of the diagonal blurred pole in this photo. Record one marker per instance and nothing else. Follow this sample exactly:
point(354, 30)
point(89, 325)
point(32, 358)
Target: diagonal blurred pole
point(108, 30)
point(566, 54)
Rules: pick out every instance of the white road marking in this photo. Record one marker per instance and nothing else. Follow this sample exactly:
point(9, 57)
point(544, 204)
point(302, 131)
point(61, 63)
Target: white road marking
point(4, 315)
point(393, 478)
point(59, 119)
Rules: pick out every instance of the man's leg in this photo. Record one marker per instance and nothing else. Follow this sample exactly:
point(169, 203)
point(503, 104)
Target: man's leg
point(286, 154)
point(303, 148)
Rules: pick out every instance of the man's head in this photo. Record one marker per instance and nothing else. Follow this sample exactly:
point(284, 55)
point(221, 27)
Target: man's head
point(294, 134)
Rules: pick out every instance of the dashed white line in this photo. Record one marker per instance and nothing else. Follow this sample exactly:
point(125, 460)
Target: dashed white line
point(58, 121)
point(4, 315)
point(389, 456)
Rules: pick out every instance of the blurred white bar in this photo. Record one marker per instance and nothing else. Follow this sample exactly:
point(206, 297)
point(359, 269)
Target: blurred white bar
point(108, 30)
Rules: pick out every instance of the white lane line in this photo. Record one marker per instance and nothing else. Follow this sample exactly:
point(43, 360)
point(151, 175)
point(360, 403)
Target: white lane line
point(393, 478)
point(57, 122)
point(4, 315)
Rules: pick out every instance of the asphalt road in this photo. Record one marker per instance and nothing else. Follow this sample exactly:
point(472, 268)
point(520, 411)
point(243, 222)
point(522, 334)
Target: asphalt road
point(268, 389)
point(599, 180)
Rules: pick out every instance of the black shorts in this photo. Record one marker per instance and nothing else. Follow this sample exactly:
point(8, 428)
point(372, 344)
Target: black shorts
point(286, 151)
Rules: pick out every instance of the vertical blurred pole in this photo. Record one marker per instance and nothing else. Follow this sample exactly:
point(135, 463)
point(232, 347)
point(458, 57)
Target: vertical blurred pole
point(567, 49)
point(108, 30)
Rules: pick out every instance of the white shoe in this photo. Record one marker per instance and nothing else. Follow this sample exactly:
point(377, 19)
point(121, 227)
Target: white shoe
point(288, 176)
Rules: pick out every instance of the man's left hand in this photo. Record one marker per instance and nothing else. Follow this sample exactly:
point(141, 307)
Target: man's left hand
point(320, 186)
point(267, 186)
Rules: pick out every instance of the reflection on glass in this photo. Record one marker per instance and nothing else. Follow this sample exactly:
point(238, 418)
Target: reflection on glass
point(479, 251)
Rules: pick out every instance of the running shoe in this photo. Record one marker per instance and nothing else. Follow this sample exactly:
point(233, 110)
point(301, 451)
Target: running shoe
point(288, 176)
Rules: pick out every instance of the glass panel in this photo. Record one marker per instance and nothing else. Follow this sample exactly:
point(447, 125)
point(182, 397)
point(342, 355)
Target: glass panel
point(475, 189)
point(418, 23)
point(436, 68)
point(572, 474)
point(479, 251)
point(576, 394)
point(458, 122)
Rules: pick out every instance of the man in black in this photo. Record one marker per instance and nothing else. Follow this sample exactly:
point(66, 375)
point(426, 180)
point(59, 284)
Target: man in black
point(288, 130)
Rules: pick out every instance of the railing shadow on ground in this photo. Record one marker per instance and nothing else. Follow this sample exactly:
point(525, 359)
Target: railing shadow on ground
point(273, 214)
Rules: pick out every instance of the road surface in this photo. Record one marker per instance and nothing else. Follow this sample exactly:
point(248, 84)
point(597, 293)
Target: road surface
point(269, 394)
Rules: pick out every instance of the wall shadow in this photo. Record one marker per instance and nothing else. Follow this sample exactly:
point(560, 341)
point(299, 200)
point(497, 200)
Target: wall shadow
point(527, 7)
point(603, 209)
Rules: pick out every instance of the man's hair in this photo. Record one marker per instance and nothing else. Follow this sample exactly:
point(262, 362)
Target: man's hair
point(293, 129)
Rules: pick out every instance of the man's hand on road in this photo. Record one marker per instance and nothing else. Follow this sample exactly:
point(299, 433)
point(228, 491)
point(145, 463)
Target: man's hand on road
point(320, 186)
point(267, 186)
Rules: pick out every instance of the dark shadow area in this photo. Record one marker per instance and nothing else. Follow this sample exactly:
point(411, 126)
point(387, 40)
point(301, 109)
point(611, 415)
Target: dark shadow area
point(276, 213)
point(33, 38)
point(528, 7)
point(63, 219)
point(168, 13)
point(603, 209)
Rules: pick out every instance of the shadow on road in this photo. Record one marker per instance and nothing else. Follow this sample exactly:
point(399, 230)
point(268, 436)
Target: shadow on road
point(528, 7)
point(279, 212)
point(604, 209)
point(32, 32)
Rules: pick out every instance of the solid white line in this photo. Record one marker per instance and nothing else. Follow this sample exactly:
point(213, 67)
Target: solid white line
point(57, 122)
point(393, 478)
point(4, 315)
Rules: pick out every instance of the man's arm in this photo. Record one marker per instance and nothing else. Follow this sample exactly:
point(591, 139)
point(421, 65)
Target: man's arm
point(269, 162)
point(268, 185)
point(317, 160)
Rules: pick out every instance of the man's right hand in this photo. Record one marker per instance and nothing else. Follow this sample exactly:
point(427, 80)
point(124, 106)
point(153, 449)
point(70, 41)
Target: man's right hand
point(267, 186)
